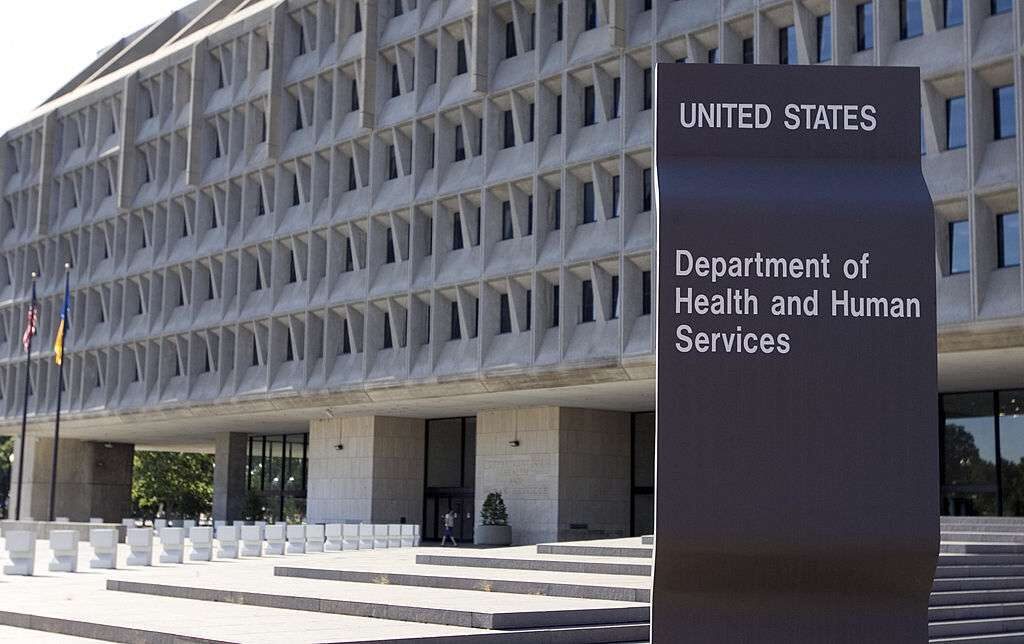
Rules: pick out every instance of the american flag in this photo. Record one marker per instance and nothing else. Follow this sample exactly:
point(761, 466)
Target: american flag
point(31, 318)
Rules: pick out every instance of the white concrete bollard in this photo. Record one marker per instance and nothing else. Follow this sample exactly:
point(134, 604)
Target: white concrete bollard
point(395, 535)
point(227, 541)
point(296, 539)
point(416, 535)
point(350, 536)
point(408, 536)
point(104, 548)
point(140, 542)
point(21, 550)
point(202, 544)
point(333, 533)
point(366, 536)
point(315, 537)
point(172, 543)
point(275, 536)
point(64, 544)
point(380, 536)
point(95, 519)
point(252, 540)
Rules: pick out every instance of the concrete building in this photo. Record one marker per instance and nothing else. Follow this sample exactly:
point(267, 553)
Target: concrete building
point(386, 257)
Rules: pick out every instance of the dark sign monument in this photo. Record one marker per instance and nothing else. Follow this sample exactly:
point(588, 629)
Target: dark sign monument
point(797, 459)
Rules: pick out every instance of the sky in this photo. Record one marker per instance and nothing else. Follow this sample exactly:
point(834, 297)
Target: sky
point(44, 43)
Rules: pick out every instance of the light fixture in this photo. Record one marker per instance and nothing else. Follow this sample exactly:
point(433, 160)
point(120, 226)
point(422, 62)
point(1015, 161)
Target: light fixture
point(514, 442)
point(339, 447)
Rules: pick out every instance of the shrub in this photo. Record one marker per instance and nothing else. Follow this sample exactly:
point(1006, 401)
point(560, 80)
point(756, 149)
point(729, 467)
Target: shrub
point(493, 511)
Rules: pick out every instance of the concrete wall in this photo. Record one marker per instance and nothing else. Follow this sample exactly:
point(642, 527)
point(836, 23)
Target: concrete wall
point(377, 476)
point(93, 480)
point(229, 475)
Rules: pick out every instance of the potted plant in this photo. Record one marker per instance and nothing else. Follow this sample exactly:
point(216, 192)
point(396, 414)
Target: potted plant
point(493, 529)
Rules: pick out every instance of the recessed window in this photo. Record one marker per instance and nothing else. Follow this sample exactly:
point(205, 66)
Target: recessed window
point(455, 332)
point(510, 40)
point(509, 130)
point(748, 51)
point(645, 293)
point(532, 116)
point(296, 194)
point(354, 99)
point(396, 89)
point(787, 46)
point(555, 305)
point(615, 298)
point(911, 23)
point(349, 261)
point(712, 56)
point(615, 195)
point(865, 26)
point(646, 202)
point(648, 88)
point(346, 345)
point(590, 14)
point(952, 13)
point(616, 96)
point(457, 242)
point(388, 341)
point(556, 209)
point(1005, 123)
point(506, 220)
point(825, 38)
point(956, 123)
point(1008, 238)
point(558, 22)
point(398, 9)
point(293, 274)
point(430, 151)
point(959, 247)
point(389, 246)
point(357, 19)
point(586, 301)
point(460, 145)
point(529, 309)
point(461, 66)
point(392, 163)
point(589, 106)
point(352, 185)
point(558, 114)
point(504, 314)
point(1001, 6)
point(588, 216)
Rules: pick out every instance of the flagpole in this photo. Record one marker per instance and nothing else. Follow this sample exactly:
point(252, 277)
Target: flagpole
point(60, 389)
point(24, 410)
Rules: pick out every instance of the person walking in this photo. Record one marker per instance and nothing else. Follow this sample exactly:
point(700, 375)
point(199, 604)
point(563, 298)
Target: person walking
point(449, 524)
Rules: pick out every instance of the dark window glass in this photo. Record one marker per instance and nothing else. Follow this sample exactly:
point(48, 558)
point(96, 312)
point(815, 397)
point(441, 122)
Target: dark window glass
point(865, 26)
point(558, 22)
point(1011, 451)
point(429, 236)
point(457, 231)
point(647, 5)
point(956, 123)
point(558, 114)
point(460, 58)
point(354, 106)
point(263, 126)
point(392, 163)
point(959, 247)
point(351, 174)
point(1003, 100)
point(529, 214)
point(293, 275)
point(586, 301)
point(430, 149)
point(555, 305)
point(591, 14)
point(648, 88)
point(616, 96)
point(510, 40)
point(615, 196)
point(506, 220)
point(556, 209)
point(825, 38)
point(529, 309)
point(589, 106)
point(504, 315)
point(645, 293)
point(398, 8)
point(615, 298)
point(302, 40)
point(346, 344)
point(646, 204)
point(388, 343)
point(969, 482)
point(298, 116)
point(911, 23)
point(396, 89)
point(509, 130)
point(456, 328)
point(433, 67)
point(787, 46)
point(712, 56)
point(349, 262)
point(358, 20)
point(748, 51)
point(1008, 233)
point(296, 196)
point(533, 31)
point(953, 13)
point(1001, 6)
point(460, 144)
point(588, 216)
point(479, 135)
point(529, 134)
point(389, 246)
point(426, 326)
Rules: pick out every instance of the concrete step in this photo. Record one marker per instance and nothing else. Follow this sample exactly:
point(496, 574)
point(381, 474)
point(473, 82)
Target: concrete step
point(512, 586)
point(950, 559)
point(975, 611)
point(998, 638)
point(979, 536)
point(984, 548)
point(975, 597)
point(975, 570)
point(946, 584)
point(445, 607)
point(638, 552)
point(974, 627)
point(555, 565)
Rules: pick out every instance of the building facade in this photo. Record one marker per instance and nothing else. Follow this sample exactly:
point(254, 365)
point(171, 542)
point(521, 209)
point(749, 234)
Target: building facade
point(384, 257)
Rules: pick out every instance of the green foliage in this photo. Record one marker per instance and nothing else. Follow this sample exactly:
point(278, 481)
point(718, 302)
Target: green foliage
point(6, 451)
point(252, 508)
point(181, 483)
point(493, 511)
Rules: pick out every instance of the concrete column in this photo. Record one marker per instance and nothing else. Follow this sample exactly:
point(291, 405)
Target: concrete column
point(566, 479)
point(229, 482)
point(365, 468)
point(93, 479)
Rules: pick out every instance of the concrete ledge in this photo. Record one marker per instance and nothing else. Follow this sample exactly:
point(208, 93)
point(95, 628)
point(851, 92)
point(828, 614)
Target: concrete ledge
point(988, 548)
point(42, 528)
point(647, 539)
point(578, 591)
point(78, 628)
point(597, 567)
point(974, 629)
point(594, 551)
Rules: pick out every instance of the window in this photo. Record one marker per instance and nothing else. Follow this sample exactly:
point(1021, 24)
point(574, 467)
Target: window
point(389, 246)
point(509, 129)
point(712, 56)
point(346, 345)
point(558, 114)
point(588, 203)
point(589, 111)
point(645, 293)
point(398, 8)
point(504, 315)
point(646, 203)
point(615, 196)
point(457, 231)
point(358, 20)
point(429, 236)
point(460, 145)
point(591, 14)
point(433, 66)
point(825, 38)
point(953, 13)
point(426, 325)
point(392, 163)
point(461, 67)
point(556, 209)
point(1008, 234)
point(529, 214)
point(529, 133)
point(479, 135)
point(586, 301)
point(456, 328)
point(616, 96)
point(349, 263)
point(1001, 6)
point(1003, 112)
point(748, 51)
point(296, 195)
point(216, 146)
point(911, 24)
point(396, 90)
point(648, 88)
point(352, 174)
point(263, 127)
point(865, 26)
point(388, 342)
point(787, 46)
point(959, 247)
point(529, 309)
point(510, 40)
point(299, 124)
point(558, 22)
point(555, 305)
point(431, 150)
point(293, 275)
point(506, 220)
point(615, 298)
point(956, 123)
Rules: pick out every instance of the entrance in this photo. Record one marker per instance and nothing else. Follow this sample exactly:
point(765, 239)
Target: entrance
point(450, 474)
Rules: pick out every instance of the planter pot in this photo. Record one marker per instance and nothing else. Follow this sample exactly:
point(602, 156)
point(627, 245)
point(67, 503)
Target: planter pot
point(492, 535)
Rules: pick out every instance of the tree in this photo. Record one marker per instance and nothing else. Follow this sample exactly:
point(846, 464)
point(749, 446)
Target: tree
point(179, 484)
point(6, 452)
point(493, 511)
